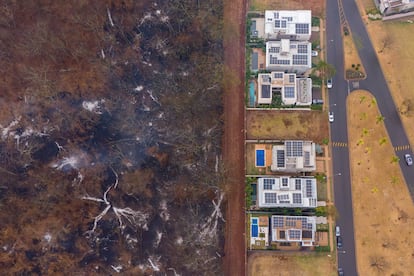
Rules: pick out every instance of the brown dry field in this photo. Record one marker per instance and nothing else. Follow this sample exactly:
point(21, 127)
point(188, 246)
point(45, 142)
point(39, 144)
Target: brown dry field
point(317, 6)
point(383, 209)
point(287, 124)
point(288, 264)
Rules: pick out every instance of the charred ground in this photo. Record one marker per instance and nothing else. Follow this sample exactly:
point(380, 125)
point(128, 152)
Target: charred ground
point(111, 113)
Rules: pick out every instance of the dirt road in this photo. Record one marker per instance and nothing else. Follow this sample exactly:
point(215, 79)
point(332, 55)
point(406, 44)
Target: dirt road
point(233, 141)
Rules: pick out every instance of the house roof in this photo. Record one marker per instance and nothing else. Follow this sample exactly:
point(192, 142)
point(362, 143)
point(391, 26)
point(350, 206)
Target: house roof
point(286, 53)
point(294, 155)
point(293, 229)
point(286, 191)
point(288, 23)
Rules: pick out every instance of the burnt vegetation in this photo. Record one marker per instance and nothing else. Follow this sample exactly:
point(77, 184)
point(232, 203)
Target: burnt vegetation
point(110, 135)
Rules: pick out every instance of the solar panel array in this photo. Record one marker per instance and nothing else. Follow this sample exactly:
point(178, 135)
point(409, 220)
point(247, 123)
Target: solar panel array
point(298, 184)
point(275, 60)
point(297, 198)
point(278, 222)
point(294, 148)
point(302, 49)
point(291, 222)
point(295, 234)
point(283, 197)
point(306, 225)
point(280, 158)
point(300, 59)
point(265, 91)
point(285, 181)
point(268, 183)
point(291, 78)
point(278, 75)
point(302, 28)
point(289, 92)
point(274, 50)
point(270, 198)
point(309, 188)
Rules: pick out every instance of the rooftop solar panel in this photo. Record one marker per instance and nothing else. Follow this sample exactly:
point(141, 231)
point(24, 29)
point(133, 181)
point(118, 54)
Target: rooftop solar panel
point(265, 91)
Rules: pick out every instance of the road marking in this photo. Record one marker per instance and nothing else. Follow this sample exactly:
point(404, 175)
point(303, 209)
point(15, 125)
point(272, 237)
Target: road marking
point(340, 144)
point(400, 148)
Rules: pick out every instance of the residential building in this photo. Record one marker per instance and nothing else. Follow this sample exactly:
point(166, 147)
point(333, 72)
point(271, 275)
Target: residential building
point(294, 156)
point(285, 191)
point(293, 25)
point(287, 55)
point(299, 229)
point(291, 90)
point(259, 232)
point(389, 7)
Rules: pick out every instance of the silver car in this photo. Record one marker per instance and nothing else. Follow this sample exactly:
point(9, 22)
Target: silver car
point(408, 159)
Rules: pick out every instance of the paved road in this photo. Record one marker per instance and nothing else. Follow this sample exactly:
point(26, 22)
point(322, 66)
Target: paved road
point(339, 134)
point(376, 84)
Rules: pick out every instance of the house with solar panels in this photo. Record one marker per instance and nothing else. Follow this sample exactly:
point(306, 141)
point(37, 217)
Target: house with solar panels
point(285, 191)
point(288, 55)
point(292, 90)
point(293, 25)
point(293, 229)
point(294, 156)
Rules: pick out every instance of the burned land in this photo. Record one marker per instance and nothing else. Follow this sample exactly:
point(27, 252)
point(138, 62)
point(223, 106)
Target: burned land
point(110, 141)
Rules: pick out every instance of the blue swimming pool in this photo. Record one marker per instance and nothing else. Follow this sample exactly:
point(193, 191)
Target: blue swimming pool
point(255, 228)
point(260, 158)
point(252, 96)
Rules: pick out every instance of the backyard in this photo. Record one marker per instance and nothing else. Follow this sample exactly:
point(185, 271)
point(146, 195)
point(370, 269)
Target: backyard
point(267, 264)
point(287, 124)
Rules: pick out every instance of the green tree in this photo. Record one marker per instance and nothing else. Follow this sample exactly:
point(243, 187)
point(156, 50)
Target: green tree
point(380, 119)
point(325, 69)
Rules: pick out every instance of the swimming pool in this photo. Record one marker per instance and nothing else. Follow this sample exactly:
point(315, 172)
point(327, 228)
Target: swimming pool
point(260, 158)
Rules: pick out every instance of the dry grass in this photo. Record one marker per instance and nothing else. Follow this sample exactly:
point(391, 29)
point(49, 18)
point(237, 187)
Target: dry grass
point(317, 6)
point(351, 56)
point(268, 264)
point(287, 124)
point(383, 210)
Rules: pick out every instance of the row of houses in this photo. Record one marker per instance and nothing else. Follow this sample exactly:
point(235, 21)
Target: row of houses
point(288, 56)
point(282, 164)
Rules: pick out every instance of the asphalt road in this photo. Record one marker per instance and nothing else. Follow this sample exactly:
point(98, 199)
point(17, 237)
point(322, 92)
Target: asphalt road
point(376, 84)
point(339, 134)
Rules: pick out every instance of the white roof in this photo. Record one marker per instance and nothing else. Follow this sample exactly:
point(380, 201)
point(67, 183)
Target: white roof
point(285, 191)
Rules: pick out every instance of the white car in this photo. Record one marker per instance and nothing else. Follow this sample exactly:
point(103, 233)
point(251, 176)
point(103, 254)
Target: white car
point(337, 231)
point(314, 53)
point(408, 159)
point(331, 117)
point(329, 83)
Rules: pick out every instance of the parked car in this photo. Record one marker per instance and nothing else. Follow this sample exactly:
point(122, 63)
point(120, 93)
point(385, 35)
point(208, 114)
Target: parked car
point(408, 159)
point(329, 83)
point(337, 231)
point(314, 53)
point(340, 271)
point(339, 242)
point(331, 117)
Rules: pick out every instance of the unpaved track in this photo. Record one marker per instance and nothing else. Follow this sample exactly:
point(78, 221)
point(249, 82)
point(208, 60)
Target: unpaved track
point(234, 134)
